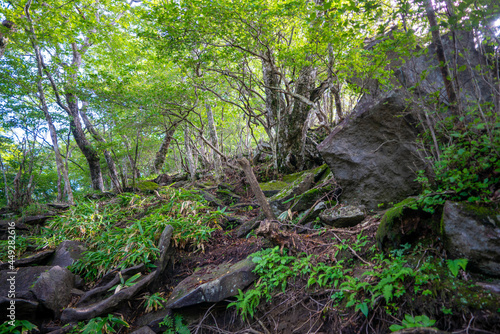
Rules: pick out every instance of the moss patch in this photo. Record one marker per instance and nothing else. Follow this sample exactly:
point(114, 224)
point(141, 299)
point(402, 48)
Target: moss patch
point(273, 185)
point(147, 186)
point(483, 214)
point(390, 229)
point(293, 177)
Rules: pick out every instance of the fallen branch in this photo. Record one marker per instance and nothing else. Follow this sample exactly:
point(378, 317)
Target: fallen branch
point(252, 180)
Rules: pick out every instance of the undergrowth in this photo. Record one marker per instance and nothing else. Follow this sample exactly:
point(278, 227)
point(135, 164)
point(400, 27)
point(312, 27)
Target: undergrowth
point(468, 168)
point(404, 276)
point(117, 240)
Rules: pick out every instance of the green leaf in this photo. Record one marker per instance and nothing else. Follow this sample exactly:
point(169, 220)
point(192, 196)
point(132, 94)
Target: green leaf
point(363, 307)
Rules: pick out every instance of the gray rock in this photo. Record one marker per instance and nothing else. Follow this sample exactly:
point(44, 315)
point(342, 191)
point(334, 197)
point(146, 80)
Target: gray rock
point(143, 330)
point(473, 233)
point(153, 319)
point(4, 228)
point(53, 288)
point(345, 216)
point(373, 154)
point(32, 290)
point(67, 253)
point(213, 284)
point(248, 226)
point(211, 199)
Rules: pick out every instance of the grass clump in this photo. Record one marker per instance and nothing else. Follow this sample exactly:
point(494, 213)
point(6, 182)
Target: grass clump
point(121, 236)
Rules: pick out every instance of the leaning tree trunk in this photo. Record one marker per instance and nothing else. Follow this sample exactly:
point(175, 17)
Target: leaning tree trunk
point(162, 152)
point(214, 141)
point(71, 106)
point(113, 174)
point(293, 130)
point(189, 154)
point(62, 171)
point(85, 146)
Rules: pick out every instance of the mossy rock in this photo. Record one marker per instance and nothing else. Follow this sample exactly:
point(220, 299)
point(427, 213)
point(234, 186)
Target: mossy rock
point(406, 223)
point(308, 198)
point(147, 186)
point(227, 196)
point(271, 188)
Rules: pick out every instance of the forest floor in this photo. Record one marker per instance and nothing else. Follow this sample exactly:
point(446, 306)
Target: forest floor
point(310, 279)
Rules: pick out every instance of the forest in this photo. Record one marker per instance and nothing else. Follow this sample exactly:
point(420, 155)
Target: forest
point(250, 166)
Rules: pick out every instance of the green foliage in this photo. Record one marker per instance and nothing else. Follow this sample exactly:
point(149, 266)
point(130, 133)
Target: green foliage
point(175, 325)
point(469, 166)
point(124, 284)
point(20, 327)
point(154, 302)
point(33, 209)
point(100, 325)
point(410, 322)
point(390, 278)
point(455, 265)
point(115, 241)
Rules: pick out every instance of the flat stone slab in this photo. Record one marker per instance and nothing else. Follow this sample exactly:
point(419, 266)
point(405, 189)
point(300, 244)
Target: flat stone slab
point(213, 284)
point(345, 216)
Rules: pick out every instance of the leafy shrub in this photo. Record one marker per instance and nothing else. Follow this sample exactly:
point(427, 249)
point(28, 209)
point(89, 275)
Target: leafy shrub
point(468, 169)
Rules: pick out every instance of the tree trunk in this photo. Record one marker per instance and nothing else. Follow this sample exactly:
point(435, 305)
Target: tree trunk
point(214, 141)
point(162, 152)
point(5, 181)
point(189, 154)
point(107, 155)
point(85, 146)
point(293, 130)
point(443, 65)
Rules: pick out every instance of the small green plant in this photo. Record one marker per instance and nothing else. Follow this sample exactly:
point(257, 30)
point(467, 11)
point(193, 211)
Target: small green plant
point(20, 327)
point(154, 302)
point(125, 284)
point(100, 325)
point(455, 265)
point(175, 325)
point(410, 322)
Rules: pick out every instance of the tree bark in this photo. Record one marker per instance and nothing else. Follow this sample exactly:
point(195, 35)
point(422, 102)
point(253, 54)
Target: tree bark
point(441, 57)
point(291, 137)
point(5, 181)
point(215, 141)
point(162, 152)
point(62, 171)
point(85, 146)
point(252, 180)
point(113, 174)
point(189, 154)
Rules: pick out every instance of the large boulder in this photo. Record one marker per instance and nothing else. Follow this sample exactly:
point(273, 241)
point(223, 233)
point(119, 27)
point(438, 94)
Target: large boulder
point(373, 154)
point(53, 288)
point(473, 233)
point(213, 284)
point(35, 291)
